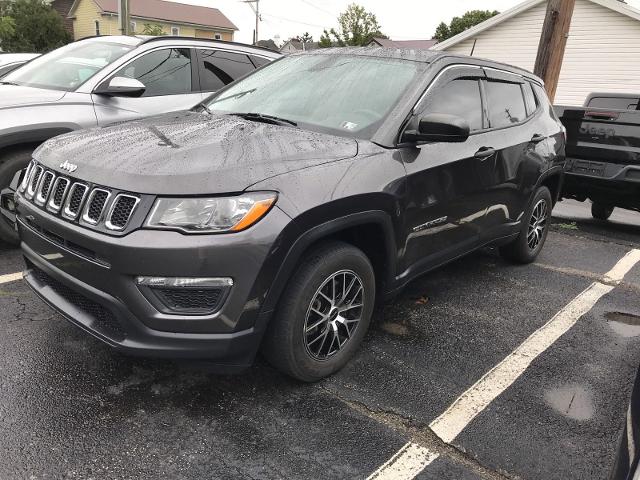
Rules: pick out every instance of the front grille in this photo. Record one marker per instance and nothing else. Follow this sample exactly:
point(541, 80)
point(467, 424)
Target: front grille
point(104, 321)
point(45, 187)
point(74, 200)
point(189, 299)
point(121, 211)
point(95, 206)
point(90, 205)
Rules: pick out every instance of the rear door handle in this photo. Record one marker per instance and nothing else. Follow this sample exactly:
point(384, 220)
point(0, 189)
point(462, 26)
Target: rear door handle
point(484, 153)
point(537, 138)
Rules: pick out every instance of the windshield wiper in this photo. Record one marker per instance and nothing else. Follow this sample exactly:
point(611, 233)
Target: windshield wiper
point(261, 117)
point(9, 83)
point(205, 108)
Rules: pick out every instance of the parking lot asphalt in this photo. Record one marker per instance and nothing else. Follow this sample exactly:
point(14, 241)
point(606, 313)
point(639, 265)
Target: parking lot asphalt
point(72, 408)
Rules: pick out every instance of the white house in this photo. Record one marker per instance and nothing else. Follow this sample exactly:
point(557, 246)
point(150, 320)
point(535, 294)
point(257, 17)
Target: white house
point(602, 54)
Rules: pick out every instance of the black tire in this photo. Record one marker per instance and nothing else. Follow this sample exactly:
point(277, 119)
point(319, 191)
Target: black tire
point(286, 345)
point(526, 247)
point(10, 164)
point(600, 211)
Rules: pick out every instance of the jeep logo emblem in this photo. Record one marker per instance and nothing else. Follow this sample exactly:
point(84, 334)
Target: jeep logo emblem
point(69, 167)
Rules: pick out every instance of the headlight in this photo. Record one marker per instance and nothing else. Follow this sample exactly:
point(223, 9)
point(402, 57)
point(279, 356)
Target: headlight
point(210, 215)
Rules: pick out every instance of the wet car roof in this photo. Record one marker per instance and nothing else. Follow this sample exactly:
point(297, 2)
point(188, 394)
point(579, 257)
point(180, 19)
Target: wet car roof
point(415, 55)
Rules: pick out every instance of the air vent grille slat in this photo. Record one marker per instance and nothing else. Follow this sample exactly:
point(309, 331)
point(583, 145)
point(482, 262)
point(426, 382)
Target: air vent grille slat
point(95, 206)
point(121, 211)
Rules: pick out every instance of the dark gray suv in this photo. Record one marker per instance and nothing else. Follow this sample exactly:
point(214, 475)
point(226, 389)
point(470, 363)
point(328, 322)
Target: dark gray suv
point(280, 210)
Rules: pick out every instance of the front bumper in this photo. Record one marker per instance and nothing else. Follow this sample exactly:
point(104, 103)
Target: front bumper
point(89, 277)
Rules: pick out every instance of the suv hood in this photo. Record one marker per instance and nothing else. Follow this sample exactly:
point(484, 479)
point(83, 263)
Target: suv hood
point(190, 153)
point(16, 96)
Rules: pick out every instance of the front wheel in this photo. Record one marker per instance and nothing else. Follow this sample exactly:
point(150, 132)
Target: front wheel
point(533, 233)
point(324, 313)
point(600, 211)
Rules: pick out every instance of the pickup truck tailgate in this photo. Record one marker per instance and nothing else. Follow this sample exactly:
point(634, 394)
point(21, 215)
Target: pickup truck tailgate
point(600, 135)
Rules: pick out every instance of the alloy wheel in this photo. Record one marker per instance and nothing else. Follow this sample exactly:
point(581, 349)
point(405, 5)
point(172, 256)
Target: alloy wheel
point(333, 314)
point(537, 224)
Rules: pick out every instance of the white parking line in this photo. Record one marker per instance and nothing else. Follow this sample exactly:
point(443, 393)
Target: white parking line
point(411, 459)
point(408, 462)
point(617, 273)
point(448, 425)
point(11, 277)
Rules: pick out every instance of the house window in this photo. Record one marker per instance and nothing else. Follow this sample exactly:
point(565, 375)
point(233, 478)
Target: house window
point(97, 25)
point(217, 36)
point(132, 27)
point(175, 31)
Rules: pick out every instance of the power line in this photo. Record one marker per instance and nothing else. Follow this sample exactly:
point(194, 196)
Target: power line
point(294, 21)
point(318, 8)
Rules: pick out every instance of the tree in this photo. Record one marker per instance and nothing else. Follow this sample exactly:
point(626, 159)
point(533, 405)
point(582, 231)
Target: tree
point(153, 29)
point(305, 38)
point(460, 24)
point(357, 27)
point(31, 26)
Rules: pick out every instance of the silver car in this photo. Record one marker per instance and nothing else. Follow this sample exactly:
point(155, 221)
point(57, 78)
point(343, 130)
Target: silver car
point(102, 80)
point(10, 61)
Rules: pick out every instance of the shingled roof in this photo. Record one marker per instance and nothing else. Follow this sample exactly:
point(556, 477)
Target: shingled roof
point(415, 44)
point(172, 12)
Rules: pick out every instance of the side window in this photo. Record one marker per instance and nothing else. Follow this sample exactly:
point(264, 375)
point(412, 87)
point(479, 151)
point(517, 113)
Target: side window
point(614, 103)
point(461, 98)
point(505, 104)
point(529, 99)
point(163, 72)
point(259, 61)
point(218, 68)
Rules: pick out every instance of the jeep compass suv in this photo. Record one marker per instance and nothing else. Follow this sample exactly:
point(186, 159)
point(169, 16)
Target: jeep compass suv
point(274, 215)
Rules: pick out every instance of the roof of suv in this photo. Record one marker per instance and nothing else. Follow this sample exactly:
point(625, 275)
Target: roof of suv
point(418, 55)
point(138, 40)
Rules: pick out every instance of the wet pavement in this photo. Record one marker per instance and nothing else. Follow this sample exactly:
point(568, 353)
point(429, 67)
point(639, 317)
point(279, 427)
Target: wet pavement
point(72, 408)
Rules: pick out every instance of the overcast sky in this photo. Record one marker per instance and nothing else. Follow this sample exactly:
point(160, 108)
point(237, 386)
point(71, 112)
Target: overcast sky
point(400, 19)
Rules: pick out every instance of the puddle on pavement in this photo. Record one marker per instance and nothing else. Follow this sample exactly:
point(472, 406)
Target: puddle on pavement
point(572, 401)
point(395, 329)
point(624, 324)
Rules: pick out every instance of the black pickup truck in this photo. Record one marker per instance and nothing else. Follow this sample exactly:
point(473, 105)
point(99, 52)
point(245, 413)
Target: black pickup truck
point(603, 152)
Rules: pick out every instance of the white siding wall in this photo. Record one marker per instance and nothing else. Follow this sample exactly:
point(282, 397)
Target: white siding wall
point(514, 41)
point(603, 50)
point(602, 55)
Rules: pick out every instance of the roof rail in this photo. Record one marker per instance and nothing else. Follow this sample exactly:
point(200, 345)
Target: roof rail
point(182, 37)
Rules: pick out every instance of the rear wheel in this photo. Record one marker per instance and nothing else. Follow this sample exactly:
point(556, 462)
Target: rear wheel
point(533, 233)
point(324, 313)
point(600, 211)
point(10, 164)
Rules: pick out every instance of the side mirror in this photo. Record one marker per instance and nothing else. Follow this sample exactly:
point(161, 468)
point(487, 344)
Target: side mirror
point(121, 87)
point(439, 127)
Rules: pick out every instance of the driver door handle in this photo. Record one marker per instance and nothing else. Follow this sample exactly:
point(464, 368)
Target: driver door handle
point(484, 153)
point(537, 138)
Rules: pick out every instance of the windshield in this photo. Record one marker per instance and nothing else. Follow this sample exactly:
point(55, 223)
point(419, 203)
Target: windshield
point(348, 95)
point(68, 67)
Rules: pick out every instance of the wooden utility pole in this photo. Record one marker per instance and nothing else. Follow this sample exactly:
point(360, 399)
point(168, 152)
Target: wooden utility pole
point(256, 10)
point(124, 19)
point(555, 33)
